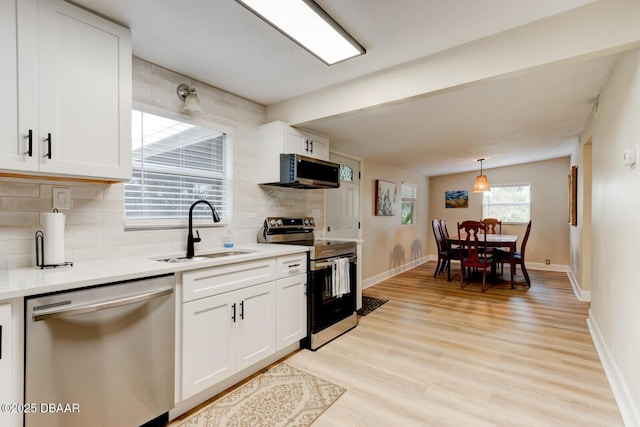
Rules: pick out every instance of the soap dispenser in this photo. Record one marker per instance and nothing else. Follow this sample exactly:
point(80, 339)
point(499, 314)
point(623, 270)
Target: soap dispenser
point(228, 239)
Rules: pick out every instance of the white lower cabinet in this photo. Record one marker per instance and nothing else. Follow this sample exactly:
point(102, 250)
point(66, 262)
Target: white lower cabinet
point(292, 310)
point(223, 334)
point(6, 390)
point(237, 315)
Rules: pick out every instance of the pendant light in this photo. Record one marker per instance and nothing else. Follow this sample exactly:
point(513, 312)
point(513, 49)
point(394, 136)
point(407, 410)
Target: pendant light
point(482, 183)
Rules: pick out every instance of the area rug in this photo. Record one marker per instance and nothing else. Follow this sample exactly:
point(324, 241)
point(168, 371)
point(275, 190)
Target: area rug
point(281, 396)
point(369, 304)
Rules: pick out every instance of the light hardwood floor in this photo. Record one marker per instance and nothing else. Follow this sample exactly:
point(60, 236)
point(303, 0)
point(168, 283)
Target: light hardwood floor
point(435, 355)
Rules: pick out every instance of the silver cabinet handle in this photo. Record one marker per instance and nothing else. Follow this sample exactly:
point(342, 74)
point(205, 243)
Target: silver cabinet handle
point(101, 305)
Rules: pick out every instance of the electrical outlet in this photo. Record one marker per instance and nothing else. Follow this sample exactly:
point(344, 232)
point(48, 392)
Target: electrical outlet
point(548, 261)
point(61, 198)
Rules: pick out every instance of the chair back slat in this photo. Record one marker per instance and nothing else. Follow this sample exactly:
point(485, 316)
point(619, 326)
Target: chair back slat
point(473, 242)
point(524, 240)
point(437, 233)
point(494, 225)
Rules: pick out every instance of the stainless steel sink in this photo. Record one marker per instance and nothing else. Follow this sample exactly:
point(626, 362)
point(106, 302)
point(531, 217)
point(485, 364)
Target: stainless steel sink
point(201, 257)
point(225, 253)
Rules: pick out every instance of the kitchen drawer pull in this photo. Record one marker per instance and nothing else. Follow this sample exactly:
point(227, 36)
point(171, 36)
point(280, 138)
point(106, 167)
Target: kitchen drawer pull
point(294, 265)
point(101, 305)
point(233, 317)
point(48, 139)
point(311, 145)
point(242, 310)
point(29, 136)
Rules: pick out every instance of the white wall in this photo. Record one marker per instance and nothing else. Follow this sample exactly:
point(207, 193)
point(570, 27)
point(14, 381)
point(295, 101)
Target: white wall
point(390, 248)
point(95, 224)
point(615, 232)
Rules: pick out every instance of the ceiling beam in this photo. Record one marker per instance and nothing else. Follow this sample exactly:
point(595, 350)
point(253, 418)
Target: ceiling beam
point(596, 29)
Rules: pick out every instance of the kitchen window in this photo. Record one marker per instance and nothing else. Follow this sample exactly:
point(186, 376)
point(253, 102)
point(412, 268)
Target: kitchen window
point(174, 164)
point(509, 203)
point(408, 204)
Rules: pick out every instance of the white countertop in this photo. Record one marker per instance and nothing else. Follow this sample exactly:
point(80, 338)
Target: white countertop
point(21, 282)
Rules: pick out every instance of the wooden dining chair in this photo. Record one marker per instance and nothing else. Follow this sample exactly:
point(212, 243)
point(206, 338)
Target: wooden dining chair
point(494, 225)
point(445, 252)
point(472, 238)
point(503, 256)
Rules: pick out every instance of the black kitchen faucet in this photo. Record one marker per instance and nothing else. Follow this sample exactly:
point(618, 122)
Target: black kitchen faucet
point(190, 239)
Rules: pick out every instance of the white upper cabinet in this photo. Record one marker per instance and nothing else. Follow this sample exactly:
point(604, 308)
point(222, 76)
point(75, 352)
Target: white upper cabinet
point(277, 138)
point(72, 92)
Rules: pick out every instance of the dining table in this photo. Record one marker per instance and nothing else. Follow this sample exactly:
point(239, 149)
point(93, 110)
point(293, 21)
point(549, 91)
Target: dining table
point(508, 241)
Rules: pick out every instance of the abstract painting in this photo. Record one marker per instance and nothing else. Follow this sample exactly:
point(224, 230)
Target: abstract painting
point(456, 199)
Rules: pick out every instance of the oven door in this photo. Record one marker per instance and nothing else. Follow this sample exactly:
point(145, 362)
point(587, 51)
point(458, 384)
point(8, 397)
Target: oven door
point(325, 309)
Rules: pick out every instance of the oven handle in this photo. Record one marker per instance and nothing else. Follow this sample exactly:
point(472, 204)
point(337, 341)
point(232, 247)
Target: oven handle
point(315, 265)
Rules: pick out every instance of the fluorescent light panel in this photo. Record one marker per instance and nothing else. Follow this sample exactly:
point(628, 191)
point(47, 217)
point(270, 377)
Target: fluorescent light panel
point(307, 24)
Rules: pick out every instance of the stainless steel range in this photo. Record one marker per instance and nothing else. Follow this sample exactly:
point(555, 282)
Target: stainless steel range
point(331, 281)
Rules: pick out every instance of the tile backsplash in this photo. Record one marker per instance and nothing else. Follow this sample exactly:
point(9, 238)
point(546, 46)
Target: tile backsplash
point(95, 223)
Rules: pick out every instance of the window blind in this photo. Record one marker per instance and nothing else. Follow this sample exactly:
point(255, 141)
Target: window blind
point(173, 165)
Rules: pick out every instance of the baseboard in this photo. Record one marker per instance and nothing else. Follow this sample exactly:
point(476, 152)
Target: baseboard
point(624, 399)
point(584, 296)
point(366, 283)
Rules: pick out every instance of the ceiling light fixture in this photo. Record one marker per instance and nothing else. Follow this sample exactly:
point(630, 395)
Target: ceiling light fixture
point(307, 24)
point(481, 183)
point(190, 98)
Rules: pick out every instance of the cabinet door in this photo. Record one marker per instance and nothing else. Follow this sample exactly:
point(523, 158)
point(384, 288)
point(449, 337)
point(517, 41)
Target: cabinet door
point(14, 144)
point(5, 362)
point(207, 343)
point(304, 143)
point(291, 306)
point(294, 142)
point(255, 326)
point(318, 147)
point(84, 93)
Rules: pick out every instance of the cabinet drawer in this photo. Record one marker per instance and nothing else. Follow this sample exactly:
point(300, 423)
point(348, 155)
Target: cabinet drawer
point(290, 265)
point(213, 281)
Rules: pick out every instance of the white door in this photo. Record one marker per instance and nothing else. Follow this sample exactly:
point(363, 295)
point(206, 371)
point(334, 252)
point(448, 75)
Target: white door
point(342, 207)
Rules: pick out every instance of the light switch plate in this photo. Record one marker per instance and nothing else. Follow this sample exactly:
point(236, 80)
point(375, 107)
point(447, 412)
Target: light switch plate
point(61, 198)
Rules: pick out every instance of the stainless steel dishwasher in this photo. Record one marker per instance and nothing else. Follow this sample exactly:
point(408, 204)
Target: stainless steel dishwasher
point(100, 356)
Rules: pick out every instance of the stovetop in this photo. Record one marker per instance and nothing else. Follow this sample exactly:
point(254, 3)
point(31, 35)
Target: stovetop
point(299, 231)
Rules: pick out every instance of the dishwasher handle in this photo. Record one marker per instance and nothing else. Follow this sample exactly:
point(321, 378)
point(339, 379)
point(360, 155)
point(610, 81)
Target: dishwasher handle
point(90, 308)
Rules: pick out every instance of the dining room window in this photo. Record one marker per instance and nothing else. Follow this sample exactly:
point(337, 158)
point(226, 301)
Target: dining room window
point(408, 204)
point(175, 163)
point(510, 203)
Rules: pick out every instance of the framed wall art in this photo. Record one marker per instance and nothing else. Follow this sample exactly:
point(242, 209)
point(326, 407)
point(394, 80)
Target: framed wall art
point(456, 199)
point(573, 196)
point(386, 196)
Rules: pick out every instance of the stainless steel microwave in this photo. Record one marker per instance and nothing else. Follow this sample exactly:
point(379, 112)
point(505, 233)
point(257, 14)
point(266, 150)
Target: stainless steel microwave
point(306, 172)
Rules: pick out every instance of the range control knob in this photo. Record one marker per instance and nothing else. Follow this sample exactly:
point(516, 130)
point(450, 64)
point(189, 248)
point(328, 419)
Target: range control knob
point(279, 222)
point(272, 222)
point(306, 221)
point(311, 221)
